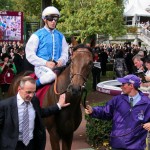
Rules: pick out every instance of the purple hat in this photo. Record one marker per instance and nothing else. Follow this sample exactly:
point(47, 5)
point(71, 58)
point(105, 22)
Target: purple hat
point(133, 79)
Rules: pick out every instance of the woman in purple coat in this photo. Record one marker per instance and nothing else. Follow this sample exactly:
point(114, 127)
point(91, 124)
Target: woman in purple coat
point(130, 114)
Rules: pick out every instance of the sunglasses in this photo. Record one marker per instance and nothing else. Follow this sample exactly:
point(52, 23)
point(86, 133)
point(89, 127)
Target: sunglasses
point(51, 18)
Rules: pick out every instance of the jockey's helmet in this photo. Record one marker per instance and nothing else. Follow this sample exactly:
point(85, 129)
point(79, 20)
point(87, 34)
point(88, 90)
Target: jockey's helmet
point(50, 10)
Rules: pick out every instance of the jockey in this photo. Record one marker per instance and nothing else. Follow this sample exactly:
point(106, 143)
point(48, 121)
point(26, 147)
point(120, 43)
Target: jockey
point(47, 48)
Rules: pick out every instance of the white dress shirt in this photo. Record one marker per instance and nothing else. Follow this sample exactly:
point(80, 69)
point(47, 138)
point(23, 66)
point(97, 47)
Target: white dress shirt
point(21, 106)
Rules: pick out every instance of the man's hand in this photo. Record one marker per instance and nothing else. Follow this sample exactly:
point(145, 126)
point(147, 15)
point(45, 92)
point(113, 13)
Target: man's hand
point(59, 63)
point(50, 64)
point(62, 102)
point(88, 109)
point(146, 126)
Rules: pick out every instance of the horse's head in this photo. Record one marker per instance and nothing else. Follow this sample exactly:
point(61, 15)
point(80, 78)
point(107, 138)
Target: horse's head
point(80, 68)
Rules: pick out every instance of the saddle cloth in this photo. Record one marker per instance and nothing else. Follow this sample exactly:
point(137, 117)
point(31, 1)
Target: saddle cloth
point(40, 93)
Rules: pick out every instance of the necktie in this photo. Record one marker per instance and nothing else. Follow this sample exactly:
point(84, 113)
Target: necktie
point(131, 102)
point(25, 125)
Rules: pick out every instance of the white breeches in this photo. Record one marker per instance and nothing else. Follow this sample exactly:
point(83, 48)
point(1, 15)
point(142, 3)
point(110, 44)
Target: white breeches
point(45, 74)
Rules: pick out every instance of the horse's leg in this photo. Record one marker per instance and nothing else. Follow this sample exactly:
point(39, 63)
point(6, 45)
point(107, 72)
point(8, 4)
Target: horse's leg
point(67, 142)
point(54, 139)
point(48, 144)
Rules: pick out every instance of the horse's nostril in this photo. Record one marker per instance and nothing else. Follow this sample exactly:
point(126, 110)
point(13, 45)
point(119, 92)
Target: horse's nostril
point(76, 90)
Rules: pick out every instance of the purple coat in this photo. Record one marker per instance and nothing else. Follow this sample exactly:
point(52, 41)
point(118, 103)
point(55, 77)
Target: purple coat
point(127, 131)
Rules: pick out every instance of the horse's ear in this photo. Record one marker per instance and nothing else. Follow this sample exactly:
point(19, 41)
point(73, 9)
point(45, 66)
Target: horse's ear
point(73, 41)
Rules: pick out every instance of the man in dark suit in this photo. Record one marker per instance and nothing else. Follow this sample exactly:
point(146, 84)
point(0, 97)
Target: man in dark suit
point(12, 118)
point(18, 60)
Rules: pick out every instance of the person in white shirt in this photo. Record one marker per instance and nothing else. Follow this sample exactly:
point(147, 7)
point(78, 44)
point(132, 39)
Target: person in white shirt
point(145, 86)
point(12, 118)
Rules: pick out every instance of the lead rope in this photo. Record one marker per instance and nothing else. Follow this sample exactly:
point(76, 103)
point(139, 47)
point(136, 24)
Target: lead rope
point(55, 84)
point(55, 88)
point(84, 99)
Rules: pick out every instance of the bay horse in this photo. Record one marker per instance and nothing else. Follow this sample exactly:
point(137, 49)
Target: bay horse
point(71, 81)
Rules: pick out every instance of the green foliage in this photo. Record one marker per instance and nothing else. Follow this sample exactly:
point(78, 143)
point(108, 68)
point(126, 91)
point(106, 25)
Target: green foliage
point(91, 17)
point(97, 131)
point(5, 5)
point(132, 29)
point(78, 17)
point(30, 8)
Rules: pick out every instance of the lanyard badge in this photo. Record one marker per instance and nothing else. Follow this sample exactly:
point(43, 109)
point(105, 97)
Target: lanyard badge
point(141, 115)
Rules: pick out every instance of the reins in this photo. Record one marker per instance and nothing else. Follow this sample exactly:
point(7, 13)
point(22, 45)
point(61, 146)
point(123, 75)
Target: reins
point(55, 89)
point(84, 93)
point(55, 83)
point(84, 99)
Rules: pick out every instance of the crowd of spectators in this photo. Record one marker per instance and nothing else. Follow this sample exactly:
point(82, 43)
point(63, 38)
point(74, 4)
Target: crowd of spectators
point(11, 63)
point(120, 55)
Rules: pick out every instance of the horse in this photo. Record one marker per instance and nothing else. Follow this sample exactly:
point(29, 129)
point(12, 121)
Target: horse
point(72, 81)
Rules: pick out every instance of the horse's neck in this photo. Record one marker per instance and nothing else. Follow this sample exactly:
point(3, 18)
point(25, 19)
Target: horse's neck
point(63, 80)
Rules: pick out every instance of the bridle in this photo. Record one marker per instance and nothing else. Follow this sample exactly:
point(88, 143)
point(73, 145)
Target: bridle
point(72, 75)
point(79, 74)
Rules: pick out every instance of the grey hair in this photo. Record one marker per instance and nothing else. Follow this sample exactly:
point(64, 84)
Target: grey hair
point(25, 79)
point(138, 57)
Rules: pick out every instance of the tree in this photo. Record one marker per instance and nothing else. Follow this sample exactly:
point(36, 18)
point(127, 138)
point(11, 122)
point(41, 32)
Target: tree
point(30, 8)
point(5, 5)
point(86, 18)
point(46, 3)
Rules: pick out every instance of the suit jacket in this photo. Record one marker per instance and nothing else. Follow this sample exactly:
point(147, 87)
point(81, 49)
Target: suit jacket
point(19, 63)
point(9, 125)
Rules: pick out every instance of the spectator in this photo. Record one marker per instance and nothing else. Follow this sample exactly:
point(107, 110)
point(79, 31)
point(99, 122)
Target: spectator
point(18, 60)
point(96, 70)
point(12, 54)
point(103, 58)
point(146, 84)
point(119, 65)
point(129, 62)
point(138, 63)
point(7, 72)
point(129, 112)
